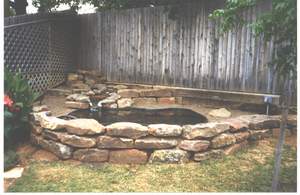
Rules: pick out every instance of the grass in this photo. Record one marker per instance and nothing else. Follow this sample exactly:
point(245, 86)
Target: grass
point(249, 170)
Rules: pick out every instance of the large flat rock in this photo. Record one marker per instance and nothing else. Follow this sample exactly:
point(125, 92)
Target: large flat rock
point(14, 173)
point(241, 136)
point(155, 143)
point(60, 150)
point(257, 122)
point(128, 156)
point(223, 140)
point(114, 142)
point(49, 122)
point(205, 130)
point(84, 127)
point(77, 105)
point(78, 141)
point(194, 145)
point(127, 129)
point(78, 98)
point(165, 130)
point(169, 156)
point(128, 93)
point(156, 93)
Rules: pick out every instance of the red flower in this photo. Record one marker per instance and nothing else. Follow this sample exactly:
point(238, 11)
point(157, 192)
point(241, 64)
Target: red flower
point(7, 101)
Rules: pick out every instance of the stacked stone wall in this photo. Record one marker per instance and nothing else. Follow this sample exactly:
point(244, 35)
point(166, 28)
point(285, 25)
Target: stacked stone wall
point(131, 143)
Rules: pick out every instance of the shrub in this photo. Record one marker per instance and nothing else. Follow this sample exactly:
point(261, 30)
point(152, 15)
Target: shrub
point(18, 100)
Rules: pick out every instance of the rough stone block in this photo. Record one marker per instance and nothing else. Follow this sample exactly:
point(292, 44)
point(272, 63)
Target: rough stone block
point(205, 130)
point(194, 145)
point(36, 129)
point(78, 98)
point(127, 129)
point(241, 136)
point(178, 100)
point(236, 125)
point(143, 101)
point(55, 136)
point(35, 139)
point(236, 147)
point(100, 87)
point(60, 150)
point(166, 100)
point(212, 154)
point(118, 87)
point(77, 141)
point(125, 102)
point(74, 77)
point(156, 93)
point(257, 122)
point(91, 155)
point(84, 127)
point(77, 105)
point(90, 82)
point(114, 142)
point(40, 108)
point(223, 140)
point(155, 143)
point(259, 134)
point(80, 90)
point(45, 156)
point(169, 156)
point(292, 120)
point(50, 122)
point(128, 93)
point(113, 97)
point(221, 112)
point(165, 130)
point(130, 156)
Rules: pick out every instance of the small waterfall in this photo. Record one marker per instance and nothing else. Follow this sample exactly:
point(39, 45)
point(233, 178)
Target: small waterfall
point(92, 107)
point(95, 109)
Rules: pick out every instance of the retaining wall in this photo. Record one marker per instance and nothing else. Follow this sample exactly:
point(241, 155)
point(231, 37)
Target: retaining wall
point(130, 143)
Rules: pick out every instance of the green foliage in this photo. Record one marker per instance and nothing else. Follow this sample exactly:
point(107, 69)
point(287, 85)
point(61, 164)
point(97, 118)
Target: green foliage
point(16, 115)
point(279, 24)
point(109, 4)
point(50, 5)
point(17, 88)
point(232, 13)
point(11, 159)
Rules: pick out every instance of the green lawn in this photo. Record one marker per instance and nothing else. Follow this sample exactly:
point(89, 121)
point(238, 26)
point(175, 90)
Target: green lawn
point(249, 170)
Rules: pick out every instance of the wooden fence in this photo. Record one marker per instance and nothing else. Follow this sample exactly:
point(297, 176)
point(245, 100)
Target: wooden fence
point(177, 46)
point(169, 45)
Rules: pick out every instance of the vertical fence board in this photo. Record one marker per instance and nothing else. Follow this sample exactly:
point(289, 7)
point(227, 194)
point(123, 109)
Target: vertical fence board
point(149, 45)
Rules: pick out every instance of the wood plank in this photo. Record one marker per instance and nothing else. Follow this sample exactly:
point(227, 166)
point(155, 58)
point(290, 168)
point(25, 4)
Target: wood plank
point(145, 46)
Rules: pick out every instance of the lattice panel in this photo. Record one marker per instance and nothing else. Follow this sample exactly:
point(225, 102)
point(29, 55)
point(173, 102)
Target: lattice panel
point(26, 51)
point(41, 52)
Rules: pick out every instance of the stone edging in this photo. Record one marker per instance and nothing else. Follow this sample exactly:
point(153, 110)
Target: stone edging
point(89, 141)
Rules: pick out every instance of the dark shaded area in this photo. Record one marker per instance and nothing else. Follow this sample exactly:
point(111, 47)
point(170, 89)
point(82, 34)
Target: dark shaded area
point(178, 116)
point(260, 108)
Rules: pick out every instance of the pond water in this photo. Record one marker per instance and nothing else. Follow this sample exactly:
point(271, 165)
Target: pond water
point(179, 116)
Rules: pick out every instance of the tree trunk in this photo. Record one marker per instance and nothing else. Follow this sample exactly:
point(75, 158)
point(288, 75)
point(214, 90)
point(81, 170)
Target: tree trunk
point(20, 7)
point(6, 8)
point(286, 96)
